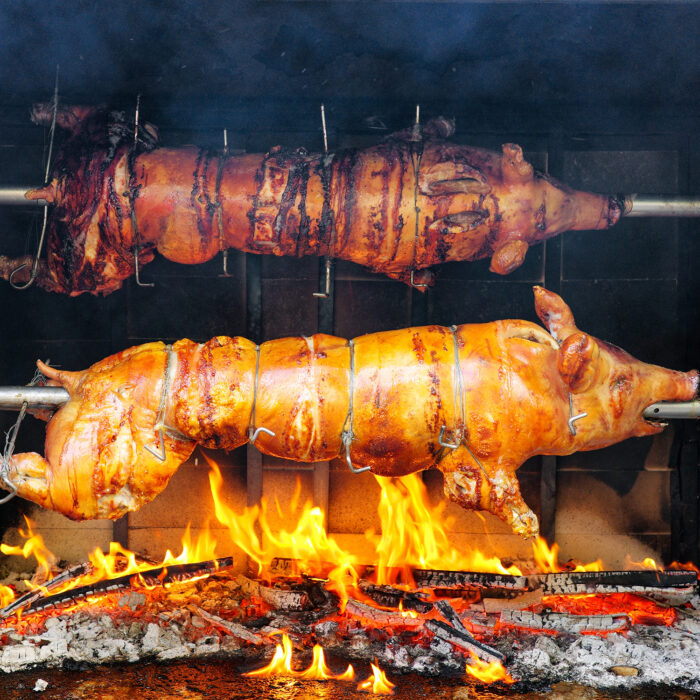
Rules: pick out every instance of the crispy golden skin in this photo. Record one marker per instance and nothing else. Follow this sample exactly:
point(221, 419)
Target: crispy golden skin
point(505, 399)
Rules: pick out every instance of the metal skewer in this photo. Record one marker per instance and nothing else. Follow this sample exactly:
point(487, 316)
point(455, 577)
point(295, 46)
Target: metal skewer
point(53, 397)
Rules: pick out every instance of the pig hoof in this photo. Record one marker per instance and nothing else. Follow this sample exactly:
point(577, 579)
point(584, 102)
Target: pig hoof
point(525, 524)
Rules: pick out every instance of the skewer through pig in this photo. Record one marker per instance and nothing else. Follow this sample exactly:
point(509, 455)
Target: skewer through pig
point(494, 394)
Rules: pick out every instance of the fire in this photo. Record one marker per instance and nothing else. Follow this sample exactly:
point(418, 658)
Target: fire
point(413, 534)
point(281, 665)
point(490, 672)
point(547, 559)
point(33, 546)
point(377, 683)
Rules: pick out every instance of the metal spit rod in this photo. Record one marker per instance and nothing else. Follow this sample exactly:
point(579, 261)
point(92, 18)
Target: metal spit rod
point(53, 397)
point(14, 196)
point(635, 204)
point(654, 205)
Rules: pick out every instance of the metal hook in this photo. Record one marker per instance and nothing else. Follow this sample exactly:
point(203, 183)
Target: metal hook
point(161, 454)
point(37, 256)
point(257, 432)
point(573, 418)
point(417, 286)
point(443, 443)
point(347, 439)
point(325, 294)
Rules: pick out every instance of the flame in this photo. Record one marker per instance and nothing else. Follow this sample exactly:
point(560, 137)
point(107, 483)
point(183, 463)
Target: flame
point(377, 683)
point(33, 546)
point(487, 672)
point(646, 563)
point(547, 559)
point(281, 665)
point(407, 613)
point(413, 534)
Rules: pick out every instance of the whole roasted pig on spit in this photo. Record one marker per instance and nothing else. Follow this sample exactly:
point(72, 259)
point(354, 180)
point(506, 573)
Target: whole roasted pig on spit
point(410, 202)
point(475, 401)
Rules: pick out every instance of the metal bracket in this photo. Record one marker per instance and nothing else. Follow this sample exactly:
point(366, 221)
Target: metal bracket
point(347, 438)
point(257, 432)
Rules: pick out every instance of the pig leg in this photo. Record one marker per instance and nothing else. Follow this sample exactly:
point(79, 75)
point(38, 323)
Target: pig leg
point(27, 473)
point(486, 487)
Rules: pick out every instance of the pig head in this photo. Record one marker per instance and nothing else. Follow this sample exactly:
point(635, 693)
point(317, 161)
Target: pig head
point(524, 386)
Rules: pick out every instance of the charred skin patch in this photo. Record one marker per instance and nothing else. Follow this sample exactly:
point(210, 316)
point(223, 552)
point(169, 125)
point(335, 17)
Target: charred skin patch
point(621, 389)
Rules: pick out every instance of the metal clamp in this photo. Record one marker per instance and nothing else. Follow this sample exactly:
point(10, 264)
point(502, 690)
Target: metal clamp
point(572, 417)
point(416, 157)
point(219, 212)
point(253, 432)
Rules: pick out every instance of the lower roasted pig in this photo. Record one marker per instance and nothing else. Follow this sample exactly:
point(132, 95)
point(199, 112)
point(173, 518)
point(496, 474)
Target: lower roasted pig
point(475, 401)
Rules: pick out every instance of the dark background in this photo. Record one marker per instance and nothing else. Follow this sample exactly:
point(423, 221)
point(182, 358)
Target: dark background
point(603, 96)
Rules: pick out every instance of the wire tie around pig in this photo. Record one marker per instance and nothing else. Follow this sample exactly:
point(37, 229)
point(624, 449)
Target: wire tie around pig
point(458, 434)
point(416, 157)
point(347, 436)
point(252, 431)
point(167, 378)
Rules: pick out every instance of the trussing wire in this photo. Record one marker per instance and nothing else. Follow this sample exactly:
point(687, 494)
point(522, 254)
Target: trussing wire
point(10, 439)
point(35, 263)
point(254, 432)
point(347, 436)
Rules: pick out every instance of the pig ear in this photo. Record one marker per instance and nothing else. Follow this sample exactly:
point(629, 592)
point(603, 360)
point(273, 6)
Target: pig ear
point(508, 257)
point(554, 313)
point(577, 361)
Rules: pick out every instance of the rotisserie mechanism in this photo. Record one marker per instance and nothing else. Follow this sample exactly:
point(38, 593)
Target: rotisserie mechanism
point(410, 202)
point(475, 401)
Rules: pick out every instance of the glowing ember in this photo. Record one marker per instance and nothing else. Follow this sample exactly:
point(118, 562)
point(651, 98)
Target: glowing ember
point(490, 672)
point(377, 683)
point(640, 610)
point(281, 665)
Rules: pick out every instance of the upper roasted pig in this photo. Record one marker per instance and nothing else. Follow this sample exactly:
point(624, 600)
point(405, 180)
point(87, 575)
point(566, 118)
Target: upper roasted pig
point(412, 201)
point(474, 400)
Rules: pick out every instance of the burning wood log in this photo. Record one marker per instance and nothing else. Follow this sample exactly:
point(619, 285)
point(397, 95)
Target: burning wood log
point(383, 618)
point(490, 396)
point(579, 582)
point(412, 201)
point(464, 640)
point(563, 622)
point(158, 576)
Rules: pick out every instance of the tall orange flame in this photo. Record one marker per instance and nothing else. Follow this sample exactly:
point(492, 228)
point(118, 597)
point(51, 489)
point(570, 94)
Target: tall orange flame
point(33, 546)
point(547, 559)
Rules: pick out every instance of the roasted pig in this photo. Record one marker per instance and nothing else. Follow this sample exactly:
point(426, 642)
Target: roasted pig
point(410, 202)
point(475, 401)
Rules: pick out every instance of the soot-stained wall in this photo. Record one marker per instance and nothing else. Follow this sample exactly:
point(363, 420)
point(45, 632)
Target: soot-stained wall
point(634, 285)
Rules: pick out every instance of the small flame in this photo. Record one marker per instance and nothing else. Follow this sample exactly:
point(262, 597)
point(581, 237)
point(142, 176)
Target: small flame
point(487, 672)
point(407, 613)
point(547, 559)
point(377, 683)
point(646, 563)
point(281, 665)
point(33, 546)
